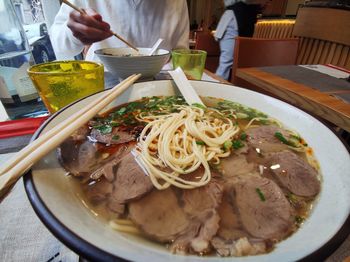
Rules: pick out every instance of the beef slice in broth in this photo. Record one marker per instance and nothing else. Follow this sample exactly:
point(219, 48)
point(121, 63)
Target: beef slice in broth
point(293, 173)
point(117, 136)
point(254, 213)
point(186, 218)
point(131, 182)
point(159, 215)
point(78, 158)
point(237, 164)
point(201, 204)
point(263, 138)
point(263, 209)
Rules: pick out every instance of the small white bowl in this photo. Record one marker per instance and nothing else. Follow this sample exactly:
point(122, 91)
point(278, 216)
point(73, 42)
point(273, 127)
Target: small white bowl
point(125, 61)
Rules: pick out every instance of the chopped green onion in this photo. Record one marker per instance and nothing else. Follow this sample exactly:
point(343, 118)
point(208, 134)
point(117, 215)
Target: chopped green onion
point(237, 144)
point(104, 129)
point(115, 137)
point(114, 124)
point(261, 194)
point(242, 116)
point(199, 105)
point(299, 219)
point(201, 143)
point(243, 136)
point(227, 145)
point(121, 111)
point(281, 138)
point(292, 199)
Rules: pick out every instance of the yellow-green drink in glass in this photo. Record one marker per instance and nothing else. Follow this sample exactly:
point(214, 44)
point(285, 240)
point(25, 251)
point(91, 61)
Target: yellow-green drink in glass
point(192, 62)
point(60, 83)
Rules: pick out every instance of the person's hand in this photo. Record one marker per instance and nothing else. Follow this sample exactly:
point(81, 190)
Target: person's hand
point(88, 28)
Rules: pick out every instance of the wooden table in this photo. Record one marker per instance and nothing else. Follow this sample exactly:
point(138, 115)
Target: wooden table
point(321, 104)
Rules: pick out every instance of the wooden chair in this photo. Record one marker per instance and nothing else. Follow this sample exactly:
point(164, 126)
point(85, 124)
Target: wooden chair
point(206, 41)
point(324, 35)
point(257, 52)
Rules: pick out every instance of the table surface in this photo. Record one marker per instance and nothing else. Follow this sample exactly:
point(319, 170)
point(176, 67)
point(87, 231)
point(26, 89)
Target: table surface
point(327, 104)
point(29, 240)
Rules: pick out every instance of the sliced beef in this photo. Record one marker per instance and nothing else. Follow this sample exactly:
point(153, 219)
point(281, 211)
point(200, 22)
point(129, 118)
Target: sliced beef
point(117, 136)
point(186, 218)
point(254, 213)
point(97, 191)
point(232, 239)
point(264, 211)
point(159, 215)
point(263, 138)
point(108, 167)
point(294, 173)
point(82, 158)
point(78, 158)
point(130, 182)
point(202, 204)
point(108, 170)
point(81, 133)
point(231, 227)
point(235, 165)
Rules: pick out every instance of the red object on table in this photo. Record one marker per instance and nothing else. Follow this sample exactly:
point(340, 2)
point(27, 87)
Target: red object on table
point(20, 127)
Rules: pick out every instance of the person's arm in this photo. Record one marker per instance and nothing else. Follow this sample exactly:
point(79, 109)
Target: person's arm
point(72, 30)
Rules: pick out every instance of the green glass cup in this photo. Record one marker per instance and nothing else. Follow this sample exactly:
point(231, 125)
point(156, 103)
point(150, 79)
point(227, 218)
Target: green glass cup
point(60, 83)
point(192, 62)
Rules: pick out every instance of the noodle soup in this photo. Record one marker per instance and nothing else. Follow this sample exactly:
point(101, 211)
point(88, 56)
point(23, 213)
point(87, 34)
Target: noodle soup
point(219, 179)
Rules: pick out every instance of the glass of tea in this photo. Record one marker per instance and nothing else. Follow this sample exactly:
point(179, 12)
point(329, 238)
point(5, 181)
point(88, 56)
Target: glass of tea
point(60, 83)
point(192, 62)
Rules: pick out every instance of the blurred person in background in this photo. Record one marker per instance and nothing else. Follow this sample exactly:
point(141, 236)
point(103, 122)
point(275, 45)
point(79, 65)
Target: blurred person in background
point(238, 19)
point(140, 22)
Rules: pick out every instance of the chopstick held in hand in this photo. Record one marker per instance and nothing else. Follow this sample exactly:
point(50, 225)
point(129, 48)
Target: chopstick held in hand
point(24, 159)
point(81, 11)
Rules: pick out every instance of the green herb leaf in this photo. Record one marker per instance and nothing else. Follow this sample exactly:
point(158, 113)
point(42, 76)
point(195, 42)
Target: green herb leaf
point(281, 138)
point(242, 112)
point(104, 129)
point(201, 143)
point(243, 136)
point(299, 220)
point(114, 124)
point(199, 105)
point(121, 111)
point(115, 137)
point(261, 194)
point(227, 145)
point(237, 144)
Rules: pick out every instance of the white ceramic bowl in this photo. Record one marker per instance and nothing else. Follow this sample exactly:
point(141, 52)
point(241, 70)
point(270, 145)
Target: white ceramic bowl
point(61, 210)
point(125, 61)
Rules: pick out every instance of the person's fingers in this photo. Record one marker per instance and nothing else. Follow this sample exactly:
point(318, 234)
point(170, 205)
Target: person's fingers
point(93, 13)
point(88, 20)
point(86, 34)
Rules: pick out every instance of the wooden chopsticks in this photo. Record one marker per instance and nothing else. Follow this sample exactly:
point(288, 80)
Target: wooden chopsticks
point(84, 13)
point(24, 159)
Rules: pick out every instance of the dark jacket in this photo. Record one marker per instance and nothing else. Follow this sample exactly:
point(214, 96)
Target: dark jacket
point(246, 16)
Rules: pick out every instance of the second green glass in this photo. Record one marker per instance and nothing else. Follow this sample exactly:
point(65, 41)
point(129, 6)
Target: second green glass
point(192, 62)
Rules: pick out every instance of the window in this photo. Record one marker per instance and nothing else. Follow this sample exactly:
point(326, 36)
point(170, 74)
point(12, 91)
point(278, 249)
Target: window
point(30, 13)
